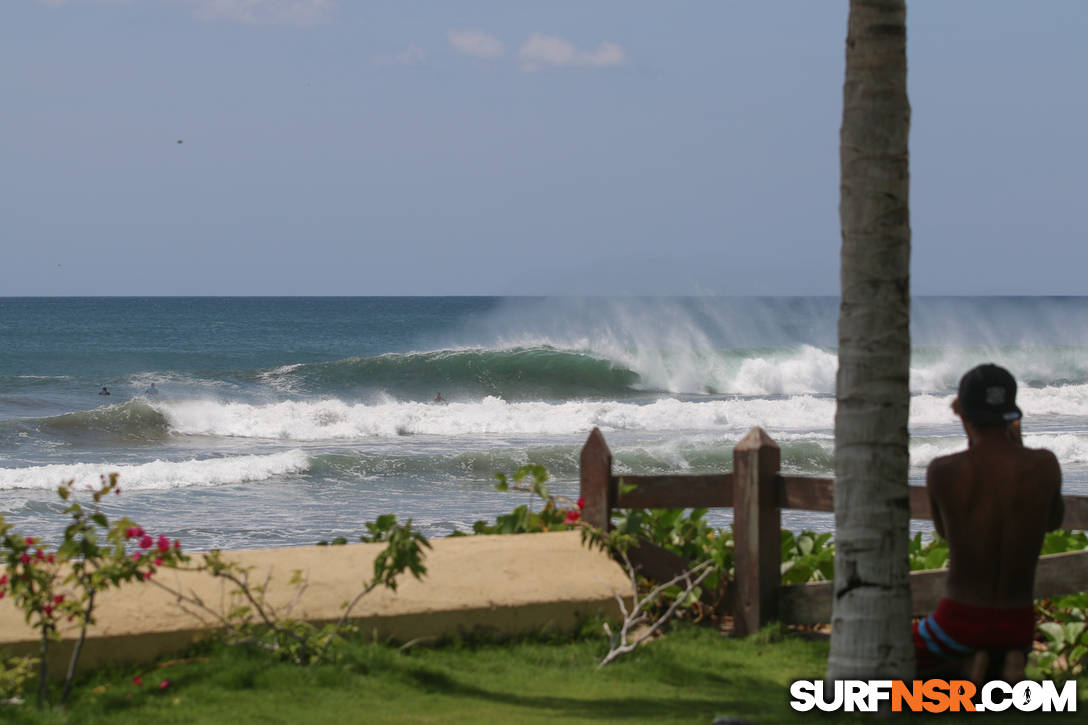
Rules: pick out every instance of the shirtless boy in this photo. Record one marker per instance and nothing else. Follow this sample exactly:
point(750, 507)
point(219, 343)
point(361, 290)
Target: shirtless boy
point(993, 503)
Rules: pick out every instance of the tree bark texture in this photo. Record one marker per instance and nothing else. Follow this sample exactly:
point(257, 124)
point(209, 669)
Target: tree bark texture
point(871, 609)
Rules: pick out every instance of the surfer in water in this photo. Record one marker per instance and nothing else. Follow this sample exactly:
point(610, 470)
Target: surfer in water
point(104, 391)
point(438, 398)
point(151, 390)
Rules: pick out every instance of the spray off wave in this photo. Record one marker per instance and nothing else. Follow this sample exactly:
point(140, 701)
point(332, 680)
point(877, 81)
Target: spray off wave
point(541, 369)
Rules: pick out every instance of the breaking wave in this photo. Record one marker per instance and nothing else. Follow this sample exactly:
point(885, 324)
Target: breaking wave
point(159, 474)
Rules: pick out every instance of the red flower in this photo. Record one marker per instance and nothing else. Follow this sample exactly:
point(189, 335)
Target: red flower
point(177, 544)
point(146, 542)
point(572, 516)
point(3, 580)
point(164, 544)
point(30, 541)
point(25, 558)
point(130, 532)
point(117, 491)
point(58, 599)
point(147, 574)
point(51, 558)
point(581, 502)
point(158, 561)
point(48, 609)
point(136, 556)
point(164, 684)
point(39, 555)
point(138, 681)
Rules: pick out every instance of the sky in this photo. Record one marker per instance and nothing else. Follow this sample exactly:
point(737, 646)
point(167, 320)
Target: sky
point(613, 147)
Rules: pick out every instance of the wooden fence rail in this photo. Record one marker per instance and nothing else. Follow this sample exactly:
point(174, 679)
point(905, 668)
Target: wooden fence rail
point(757, 492)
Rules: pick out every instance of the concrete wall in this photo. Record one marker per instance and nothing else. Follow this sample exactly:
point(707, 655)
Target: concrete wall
point(502, 584)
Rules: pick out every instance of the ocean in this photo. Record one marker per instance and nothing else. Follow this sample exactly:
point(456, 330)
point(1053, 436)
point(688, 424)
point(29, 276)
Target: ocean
point(285, 421)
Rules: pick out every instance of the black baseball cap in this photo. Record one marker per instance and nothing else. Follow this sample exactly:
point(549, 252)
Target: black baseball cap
point(988, 395)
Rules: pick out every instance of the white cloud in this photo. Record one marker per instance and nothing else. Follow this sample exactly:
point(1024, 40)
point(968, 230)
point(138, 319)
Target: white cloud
point(477, 43)
point(412, 55)
point(264, 12)
point(550, 51)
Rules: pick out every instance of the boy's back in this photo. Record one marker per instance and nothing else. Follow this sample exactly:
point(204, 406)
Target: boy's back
point(994, 503)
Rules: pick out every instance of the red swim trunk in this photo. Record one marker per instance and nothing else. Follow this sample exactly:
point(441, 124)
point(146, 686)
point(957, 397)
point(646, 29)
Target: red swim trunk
point(956, 630)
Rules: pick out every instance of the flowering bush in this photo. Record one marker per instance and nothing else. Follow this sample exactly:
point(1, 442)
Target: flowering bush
point(558, 513)
point(60, 585)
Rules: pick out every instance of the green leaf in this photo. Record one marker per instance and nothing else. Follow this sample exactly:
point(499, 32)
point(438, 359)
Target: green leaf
point(937, 559)
point(1054, 631)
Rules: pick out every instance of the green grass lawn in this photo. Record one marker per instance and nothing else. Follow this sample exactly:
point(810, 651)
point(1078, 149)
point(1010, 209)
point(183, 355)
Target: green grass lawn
point(689, 676)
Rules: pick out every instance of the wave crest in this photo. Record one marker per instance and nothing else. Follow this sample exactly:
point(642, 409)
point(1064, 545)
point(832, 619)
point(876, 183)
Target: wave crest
point(134, 420)
point(159, 474)
point(523, 373)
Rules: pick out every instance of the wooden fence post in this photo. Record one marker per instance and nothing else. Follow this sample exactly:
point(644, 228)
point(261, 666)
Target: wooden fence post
point(596, 476)
point(756, 537)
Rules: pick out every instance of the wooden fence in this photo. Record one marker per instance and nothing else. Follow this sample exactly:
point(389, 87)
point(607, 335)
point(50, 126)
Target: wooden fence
point(757, 492)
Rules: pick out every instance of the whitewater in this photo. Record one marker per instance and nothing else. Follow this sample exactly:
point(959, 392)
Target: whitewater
point(284, 421)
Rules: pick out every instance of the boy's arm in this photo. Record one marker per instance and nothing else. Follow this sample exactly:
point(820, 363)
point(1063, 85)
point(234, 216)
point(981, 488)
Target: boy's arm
point(933, 476)
point(1052, 474)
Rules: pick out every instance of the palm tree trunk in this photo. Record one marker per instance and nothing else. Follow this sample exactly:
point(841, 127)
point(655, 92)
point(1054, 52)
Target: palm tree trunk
point(871, 613)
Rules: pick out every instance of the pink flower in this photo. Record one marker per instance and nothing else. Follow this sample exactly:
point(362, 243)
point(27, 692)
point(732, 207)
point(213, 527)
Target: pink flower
point(164, 544)
point(164, 684)
point(158, 561)
point(25, 558)
point(136, 556)
point(3, 580)
point(39, 555)
point(48, 609)
point(147, 574)
point(130, 532)
point(581, 502)
point(138, 681)
point(146, 542)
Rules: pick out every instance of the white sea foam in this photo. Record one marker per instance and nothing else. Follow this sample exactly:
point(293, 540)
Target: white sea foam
point(1052, 402)
point(334, 419)
point(159, 474)
point(338, 420)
